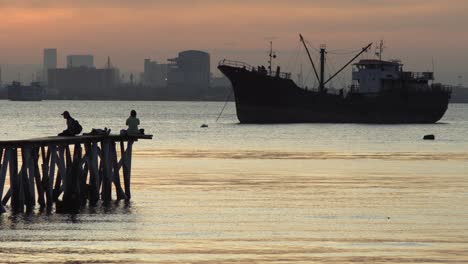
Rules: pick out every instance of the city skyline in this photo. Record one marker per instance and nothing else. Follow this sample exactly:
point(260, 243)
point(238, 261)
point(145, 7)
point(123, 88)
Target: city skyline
point(417, 32)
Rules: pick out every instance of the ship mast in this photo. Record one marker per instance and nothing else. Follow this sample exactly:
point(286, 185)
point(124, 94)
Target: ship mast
point(322, 68)
point(272, 55)
point(323, 51)
point(379, 50)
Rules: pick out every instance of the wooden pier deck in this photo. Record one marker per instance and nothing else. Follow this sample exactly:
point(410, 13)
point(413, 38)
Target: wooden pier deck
point(67, 171)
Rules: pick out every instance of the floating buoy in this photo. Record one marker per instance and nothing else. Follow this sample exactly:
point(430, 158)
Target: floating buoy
point(429, 137)
point(204, 125)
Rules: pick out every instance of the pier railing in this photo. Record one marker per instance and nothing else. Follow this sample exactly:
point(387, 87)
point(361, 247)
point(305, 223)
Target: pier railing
point(236, 64)
point(67, 171)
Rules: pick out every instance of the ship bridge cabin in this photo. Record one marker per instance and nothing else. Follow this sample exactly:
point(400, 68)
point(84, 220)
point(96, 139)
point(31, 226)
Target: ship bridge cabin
point(373, 76)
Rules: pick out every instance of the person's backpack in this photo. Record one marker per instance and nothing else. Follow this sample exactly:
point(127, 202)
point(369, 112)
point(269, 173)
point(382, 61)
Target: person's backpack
point(77, 128)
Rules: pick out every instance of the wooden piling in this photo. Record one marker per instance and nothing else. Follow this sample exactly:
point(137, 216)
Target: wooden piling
point(15, 183)
point(51, 172)
point(37, 178)
point(52, 152)
point(3, 172)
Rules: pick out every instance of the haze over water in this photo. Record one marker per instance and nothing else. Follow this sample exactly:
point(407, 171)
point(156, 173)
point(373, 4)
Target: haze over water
point(234, 193)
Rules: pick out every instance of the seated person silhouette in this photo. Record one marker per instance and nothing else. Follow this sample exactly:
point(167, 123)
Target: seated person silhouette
point(73, 126)
point(132, 123)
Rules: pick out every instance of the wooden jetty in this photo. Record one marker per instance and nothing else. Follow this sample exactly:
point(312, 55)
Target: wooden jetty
point(67, 171)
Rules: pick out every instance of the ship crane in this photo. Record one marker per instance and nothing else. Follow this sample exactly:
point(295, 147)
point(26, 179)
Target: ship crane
point(321, 79)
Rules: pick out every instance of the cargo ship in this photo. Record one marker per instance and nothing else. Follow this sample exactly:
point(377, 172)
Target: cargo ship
point(19, 92)
point(381, 93)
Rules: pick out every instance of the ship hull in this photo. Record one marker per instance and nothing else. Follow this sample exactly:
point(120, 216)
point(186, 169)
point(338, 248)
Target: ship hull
point(18, 92)
point(261, 98)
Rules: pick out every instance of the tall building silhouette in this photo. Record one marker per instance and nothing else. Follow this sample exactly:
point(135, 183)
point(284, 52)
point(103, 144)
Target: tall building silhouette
point(189, 73)
point(155, 74)
point(50, 62)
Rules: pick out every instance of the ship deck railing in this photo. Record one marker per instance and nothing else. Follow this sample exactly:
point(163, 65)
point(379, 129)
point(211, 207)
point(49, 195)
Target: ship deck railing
point(426, 76)
point(433, 87)
point(248, 67)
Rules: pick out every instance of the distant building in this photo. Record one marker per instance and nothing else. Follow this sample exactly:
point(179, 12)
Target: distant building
point(189, 74)
point(50, 58)
point(155, 74)
point(84, 82)
point(77, 61)
point(50, 62)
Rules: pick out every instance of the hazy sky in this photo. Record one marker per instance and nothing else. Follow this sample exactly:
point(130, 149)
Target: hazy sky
point(416, 31)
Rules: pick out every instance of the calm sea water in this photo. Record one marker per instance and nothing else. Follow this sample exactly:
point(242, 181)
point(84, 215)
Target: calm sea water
point(234, 193)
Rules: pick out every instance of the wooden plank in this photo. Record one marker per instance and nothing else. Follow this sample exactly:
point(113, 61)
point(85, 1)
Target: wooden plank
point(71, 195)
point(116, 175)
point(45, 174)
point(6, 197)
point(27, 196)
point(45, 156)
point(22, 183)
point(37, 177)
point(124, 160)
point(107, 177)
point(85, 187)
point(23, 177)
point(68, 164)
point(78, 171)
point(52, 152)
point(62, 173)
point(1, 152)
point(30, 177)
point(14, 182)
point(63, 141)
point(94, 174)
point(129, 168)
point(83, 179)
point(3, 171)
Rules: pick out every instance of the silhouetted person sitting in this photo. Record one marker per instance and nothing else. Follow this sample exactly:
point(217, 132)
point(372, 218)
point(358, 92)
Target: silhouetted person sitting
point(73, 126)
point(132, 123)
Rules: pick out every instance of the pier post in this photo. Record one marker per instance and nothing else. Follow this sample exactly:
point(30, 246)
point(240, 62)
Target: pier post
point(115, 165)
point(29, 177)
point(3, 172)
point(94, 174)
point(37, 177)
point(84, 189)
point(107, 174)
point(60, 180)
point(15, 183)
point(127, 166)
point(72, 181)
point(52, 153)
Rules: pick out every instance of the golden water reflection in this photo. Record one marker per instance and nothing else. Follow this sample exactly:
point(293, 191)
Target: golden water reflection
point(193, 206)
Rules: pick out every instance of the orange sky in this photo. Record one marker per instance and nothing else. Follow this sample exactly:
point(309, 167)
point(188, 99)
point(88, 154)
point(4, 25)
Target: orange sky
point(130, 30)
